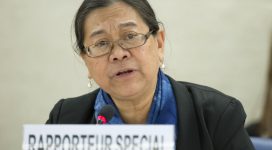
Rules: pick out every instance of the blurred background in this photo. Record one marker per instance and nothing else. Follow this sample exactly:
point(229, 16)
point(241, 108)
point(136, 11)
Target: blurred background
point(223, 44)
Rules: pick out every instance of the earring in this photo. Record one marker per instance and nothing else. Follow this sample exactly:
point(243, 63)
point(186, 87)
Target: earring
point(162, 66)
point(90, 83)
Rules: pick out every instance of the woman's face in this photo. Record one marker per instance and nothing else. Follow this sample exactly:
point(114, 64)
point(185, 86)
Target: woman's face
point(124, 74)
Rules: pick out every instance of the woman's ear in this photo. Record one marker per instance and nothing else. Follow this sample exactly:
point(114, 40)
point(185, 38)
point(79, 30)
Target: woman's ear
point(160, 40)
point(84, 59)
point(89, 76)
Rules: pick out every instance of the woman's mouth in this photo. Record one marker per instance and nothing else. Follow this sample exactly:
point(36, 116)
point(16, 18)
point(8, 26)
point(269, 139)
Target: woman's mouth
point(126, 72)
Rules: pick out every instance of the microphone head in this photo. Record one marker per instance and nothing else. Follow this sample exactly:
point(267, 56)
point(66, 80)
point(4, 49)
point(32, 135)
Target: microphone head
point(105, 114)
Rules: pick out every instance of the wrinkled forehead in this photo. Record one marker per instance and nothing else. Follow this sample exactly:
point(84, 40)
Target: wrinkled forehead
point(115, 17)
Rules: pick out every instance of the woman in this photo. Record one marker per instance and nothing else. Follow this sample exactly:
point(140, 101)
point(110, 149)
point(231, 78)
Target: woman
point(122, 46)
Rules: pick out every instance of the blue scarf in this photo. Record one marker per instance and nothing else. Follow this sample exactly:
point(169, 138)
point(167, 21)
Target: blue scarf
point(163, 108)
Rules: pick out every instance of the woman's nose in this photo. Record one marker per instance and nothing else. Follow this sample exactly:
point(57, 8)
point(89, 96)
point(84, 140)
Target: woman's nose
point(118, 53)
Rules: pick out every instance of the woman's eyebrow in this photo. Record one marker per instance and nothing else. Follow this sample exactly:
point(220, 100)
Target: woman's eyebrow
point(127, 24)
point(94, 33)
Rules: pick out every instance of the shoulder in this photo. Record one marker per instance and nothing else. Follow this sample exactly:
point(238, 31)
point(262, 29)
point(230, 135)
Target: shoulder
point(73, 110)
point(209, 98)
point(213, 105)
point(75, 102)
point(203, 97)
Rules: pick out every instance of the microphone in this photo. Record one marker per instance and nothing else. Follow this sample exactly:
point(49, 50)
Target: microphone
point(105, 114)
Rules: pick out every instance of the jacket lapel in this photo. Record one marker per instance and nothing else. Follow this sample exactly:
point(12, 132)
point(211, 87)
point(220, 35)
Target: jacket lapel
point(188, 132)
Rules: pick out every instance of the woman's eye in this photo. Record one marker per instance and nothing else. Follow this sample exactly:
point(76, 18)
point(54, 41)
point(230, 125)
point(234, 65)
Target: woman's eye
point(131, 36)
point(102, 44)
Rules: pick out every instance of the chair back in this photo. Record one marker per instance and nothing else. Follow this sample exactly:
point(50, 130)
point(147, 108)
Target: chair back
point(262, 143)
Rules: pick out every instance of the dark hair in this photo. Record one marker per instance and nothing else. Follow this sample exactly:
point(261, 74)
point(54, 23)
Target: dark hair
point(142, 7)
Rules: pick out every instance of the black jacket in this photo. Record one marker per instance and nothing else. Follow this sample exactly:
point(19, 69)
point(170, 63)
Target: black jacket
point(207, 119)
